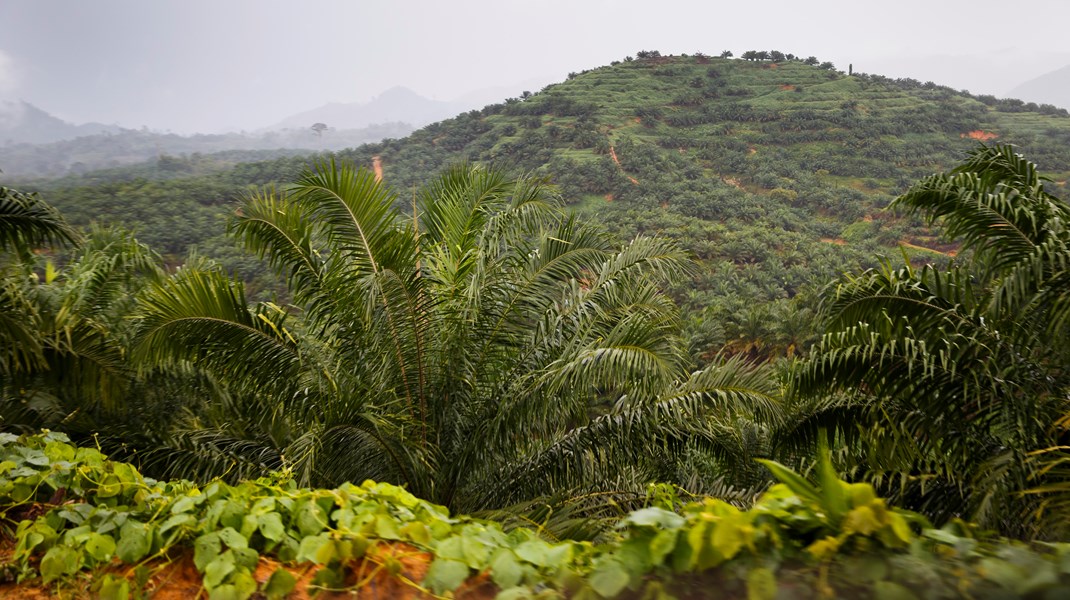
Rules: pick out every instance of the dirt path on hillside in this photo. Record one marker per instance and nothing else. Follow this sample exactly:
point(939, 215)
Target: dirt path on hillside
point(951, 253)
point(377, 166)
point(613, 155)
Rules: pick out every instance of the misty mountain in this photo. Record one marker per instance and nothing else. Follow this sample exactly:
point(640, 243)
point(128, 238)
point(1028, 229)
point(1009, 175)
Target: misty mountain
point(22, 122)
point(398, 104)
point(1050, 88)
point(129, 146)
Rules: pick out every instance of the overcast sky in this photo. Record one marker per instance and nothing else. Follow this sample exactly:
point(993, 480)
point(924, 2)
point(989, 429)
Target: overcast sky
point(214, 65)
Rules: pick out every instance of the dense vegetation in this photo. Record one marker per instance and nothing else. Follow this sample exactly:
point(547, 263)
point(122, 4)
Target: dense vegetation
point(270, 536)
point(472, 340)
point(773, 174)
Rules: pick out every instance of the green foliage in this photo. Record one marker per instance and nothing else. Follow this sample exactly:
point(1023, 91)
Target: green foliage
point(951, 384)
point(741, 154)
point(790, 539)
point(483, 352)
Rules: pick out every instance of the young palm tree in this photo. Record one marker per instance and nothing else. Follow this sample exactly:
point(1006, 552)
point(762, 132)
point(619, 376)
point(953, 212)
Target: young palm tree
point(458, 350)
point(77, 323)
point(948, 380)
point(26, 223)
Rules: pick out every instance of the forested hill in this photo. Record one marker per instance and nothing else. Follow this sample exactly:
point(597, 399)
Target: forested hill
point(774, 174)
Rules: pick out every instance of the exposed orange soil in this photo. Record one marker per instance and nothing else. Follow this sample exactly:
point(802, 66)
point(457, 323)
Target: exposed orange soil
point(178, 579)
point(837, 241)
point(787, 87)
point(377, 166)
point(733, 182)
point(980, 134)
point(609, 197)
point(927, 249)
point(613, 155)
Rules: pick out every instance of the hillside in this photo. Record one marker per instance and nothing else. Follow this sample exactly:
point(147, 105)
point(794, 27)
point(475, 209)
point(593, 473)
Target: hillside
point(774, 175)
point(24, 123)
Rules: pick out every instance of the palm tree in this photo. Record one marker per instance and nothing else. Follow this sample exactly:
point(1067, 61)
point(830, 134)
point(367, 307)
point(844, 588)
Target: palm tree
point(76, 321)
point(484, 350)
point(947, 380)
point(26, 223)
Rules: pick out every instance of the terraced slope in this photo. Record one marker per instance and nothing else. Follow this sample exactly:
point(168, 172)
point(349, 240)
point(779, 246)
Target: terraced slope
point(774, 175)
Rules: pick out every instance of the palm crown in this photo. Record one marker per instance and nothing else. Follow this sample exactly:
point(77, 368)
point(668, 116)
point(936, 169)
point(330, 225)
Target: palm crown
point(462, 350)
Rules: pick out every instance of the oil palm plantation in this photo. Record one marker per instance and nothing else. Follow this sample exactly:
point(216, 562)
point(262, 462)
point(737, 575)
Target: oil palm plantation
point(955, 384)
point(477, 345)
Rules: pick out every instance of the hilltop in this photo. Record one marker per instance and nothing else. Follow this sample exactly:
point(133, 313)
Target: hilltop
point(774, 174)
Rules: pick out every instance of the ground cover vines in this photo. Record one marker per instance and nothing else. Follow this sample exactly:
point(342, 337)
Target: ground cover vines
point(74, 515)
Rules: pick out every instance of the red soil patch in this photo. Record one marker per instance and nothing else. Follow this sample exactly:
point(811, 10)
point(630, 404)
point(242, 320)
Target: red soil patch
point(609, 197)
point(733, 182)
point(951, 252)
point(613, 155)
point(377, 166)
point(836, 241)
point(638, 120)
point(980, 135)
point(178, 579)
point(787, 87)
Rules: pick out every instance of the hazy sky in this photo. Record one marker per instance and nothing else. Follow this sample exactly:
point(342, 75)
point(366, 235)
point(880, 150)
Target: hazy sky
point(212, 65)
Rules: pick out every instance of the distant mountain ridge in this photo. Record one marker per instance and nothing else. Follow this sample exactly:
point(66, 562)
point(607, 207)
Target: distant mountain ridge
point(398, 104)
point(22, 122)
point(1050, 88)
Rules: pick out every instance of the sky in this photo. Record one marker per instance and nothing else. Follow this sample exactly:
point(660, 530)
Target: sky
point(225, 65)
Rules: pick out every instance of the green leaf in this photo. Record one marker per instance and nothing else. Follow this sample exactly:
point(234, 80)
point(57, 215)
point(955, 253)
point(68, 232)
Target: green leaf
point(100, 547)
point(310, 519)
point(609, 579)
point(176, 521)
point(1002, 572)
point(59, 561)
point(662, 545)
point(246, 557)
point(505, 570)
point(795, 482)
point(887, 590)
point(233, 539)
point(417, 532)
point(271, 527)
point(114, 588)
point(515, 593)
point(280, 584)
point(205, 549)
point(655, 517)
point(217, 570)
point(445, 575)
point(761, 584)
point(386, 528)
point(534, 551)
point(728, 537)
point(317, 548)
point(135, 541)
point(832, 492)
